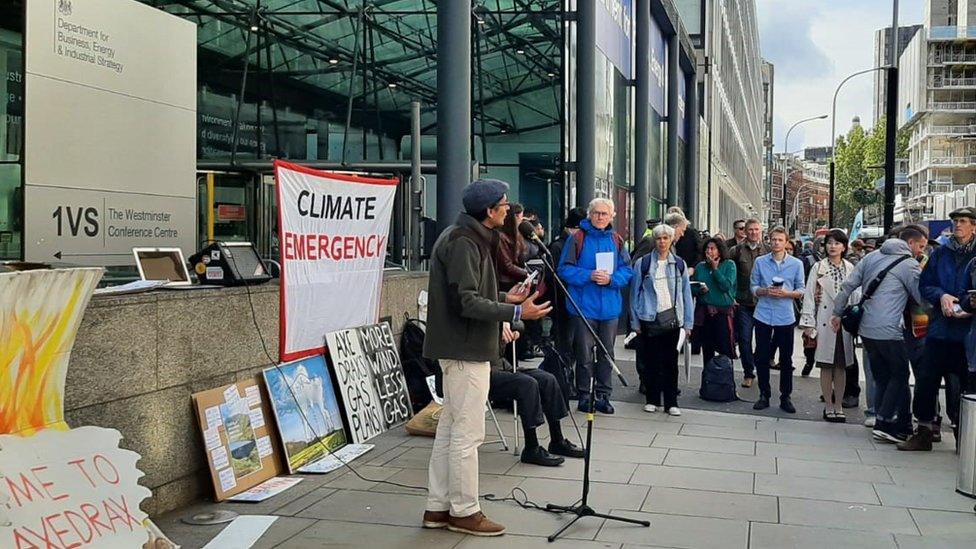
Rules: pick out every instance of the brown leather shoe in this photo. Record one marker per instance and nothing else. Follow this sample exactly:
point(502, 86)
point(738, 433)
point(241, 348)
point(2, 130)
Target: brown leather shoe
point(747, 382)
point(436, 519)
point(476, 525)
point(920, 441)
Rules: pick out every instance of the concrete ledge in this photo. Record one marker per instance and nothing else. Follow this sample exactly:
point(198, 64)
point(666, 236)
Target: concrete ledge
point(138, 358)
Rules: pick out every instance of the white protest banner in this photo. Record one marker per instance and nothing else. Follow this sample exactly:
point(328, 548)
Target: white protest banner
point(333, 231)
point(371, 380)
point(71, 488)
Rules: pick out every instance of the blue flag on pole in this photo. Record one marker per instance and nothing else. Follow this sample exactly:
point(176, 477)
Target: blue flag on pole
point(858, 224)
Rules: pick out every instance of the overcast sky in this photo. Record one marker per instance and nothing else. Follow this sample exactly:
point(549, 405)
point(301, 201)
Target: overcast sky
point(814, 44)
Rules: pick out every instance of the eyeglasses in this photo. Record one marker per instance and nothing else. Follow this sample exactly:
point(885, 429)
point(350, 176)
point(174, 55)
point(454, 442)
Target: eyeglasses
point(740, 228)
point(501, 205)
point(600, 214)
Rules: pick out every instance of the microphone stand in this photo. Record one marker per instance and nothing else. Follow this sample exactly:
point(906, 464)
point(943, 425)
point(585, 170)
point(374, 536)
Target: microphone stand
point(583, 509)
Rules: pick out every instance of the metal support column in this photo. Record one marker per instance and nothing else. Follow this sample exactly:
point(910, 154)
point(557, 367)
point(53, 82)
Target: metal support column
point(674, 118)
point(891, 124)
point(416, 186)
point(453, 107)
point(585, 102)
point(691, 148)
point(642, 107)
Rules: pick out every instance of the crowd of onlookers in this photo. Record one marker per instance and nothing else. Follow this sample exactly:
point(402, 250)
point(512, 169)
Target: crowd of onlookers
point(907, 299)
point(746, 296)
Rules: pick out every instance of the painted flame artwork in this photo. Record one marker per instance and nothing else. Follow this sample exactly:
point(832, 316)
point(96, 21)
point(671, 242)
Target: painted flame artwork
point(40, 313)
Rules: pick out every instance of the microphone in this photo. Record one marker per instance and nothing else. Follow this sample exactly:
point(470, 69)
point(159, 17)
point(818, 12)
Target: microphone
point(528, 231)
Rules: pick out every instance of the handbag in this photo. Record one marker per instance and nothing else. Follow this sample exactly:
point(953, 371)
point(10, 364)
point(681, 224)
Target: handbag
point(666, 320)
point(850, 319)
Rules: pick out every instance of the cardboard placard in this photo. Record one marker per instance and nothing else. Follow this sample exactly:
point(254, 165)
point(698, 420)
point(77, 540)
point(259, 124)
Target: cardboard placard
point(306, 411)
point(371, 380)
point(70, 489)
point(241, 450)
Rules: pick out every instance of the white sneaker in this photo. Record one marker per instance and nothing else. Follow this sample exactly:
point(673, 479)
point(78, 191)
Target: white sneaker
point(869, 422)
point(650, 408)
point(674, 411)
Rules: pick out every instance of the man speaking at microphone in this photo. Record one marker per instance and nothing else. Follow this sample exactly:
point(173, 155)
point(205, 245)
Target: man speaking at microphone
point(466, 318)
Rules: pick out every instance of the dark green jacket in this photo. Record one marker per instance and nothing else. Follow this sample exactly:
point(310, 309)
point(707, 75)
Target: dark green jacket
point(464, 307)
point(721, 283)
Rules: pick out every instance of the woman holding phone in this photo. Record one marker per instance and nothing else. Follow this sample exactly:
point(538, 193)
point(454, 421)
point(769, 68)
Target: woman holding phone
point(714, 286)
point(835, 351)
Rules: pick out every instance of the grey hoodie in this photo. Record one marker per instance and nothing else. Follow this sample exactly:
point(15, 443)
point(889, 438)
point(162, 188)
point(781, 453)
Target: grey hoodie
point(883, 313)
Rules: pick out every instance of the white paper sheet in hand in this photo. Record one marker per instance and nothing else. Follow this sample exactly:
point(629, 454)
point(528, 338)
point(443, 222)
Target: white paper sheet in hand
point(605, 261)
point(682, 335)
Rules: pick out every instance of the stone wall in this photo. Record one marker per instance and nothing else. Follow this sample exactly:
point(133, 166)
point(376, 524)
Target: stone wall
point(138, 358)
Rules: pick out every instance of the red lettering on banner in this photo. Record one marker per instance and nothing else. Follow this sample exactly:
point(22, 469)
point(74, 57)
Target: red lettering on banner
point(25, 490)
point(99, 458)
point(89, 535)
point(78, 463)
point(49, 523)
point(324, 246)
point(319, 247)
point(46, 485)
point(24, 543)
point(91, 513)
point(312, 248)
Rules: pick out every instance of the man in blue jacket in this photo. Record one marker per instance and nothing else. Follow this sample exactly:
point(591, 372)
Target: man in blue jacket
point(595, 267)
point(943, 284)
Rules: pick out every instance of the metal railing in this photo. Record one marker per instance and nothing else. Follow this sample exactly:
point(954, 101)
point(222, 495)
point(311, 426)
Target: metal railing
point(951, 160)
point(952, 82)
point(939, 58)
point(953, 105)
point(925, 132)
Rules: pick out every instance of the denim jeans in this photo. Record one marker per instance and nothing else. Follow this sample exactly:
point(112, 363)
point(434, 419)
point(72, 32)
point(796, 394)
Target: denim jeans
point(602, 371)
point(768, 340)
point(743, 337)
point(889, 365)
point(870, 391)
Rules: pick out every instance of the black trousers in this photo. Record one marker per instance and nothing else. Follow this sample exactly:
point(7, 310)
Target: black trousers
point(942, 359)
point(889, 367)
point(769, 339)
point(536, 391)
point(716, 336)
point(660, 371)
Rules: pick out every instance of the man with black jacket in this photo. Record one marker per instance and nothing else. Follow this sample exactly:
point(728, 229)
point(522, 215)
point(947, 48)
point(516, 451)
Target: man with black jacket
point(745, 255)
point(466, 318)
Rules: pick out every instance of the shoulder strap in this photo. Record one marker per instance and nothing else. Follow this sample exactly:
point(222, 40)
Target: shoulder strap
point(873, 286)
point(578, 238)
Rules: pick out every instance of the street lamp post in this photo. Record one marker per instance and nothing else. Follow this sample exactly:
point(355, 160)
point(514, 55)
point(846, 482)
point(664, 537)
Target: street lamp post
point(833, 140)
point(786, 168)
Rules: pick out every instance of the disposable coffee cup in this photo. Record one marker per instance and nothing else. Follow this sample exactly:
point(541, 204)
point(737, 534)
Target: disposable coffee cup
point(777, 282)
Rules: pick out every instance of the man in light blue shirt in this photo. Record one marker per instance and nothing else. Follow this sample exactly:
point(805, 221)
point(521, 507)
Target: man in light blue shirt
point(777, 279)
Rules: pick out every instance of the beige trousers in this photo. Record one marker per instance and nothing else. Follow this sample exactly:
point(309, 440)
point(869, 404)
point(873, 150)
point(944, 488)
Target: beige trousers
point(453, 472)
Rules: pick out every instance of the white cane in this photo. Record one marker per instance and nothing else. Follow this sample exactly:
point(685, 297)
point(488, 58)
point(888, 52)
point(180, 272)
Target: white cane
point(515, 448)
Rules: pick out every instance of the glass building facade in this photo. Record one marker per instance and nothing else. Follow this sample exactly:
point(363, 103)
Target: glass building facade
point(330, 83)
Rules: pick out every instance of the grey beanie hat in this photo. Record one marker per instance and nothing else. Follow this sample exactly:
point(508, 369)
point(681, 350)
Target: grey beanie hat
point(483, 194)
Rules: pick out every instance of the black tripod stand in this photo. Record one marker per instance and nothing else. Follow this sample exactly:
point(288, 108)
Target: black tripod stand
point(583, 509)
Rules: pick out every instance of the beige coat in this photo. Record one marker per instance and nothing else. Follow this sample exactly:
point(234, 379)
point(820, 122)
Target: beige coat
point(818, 306)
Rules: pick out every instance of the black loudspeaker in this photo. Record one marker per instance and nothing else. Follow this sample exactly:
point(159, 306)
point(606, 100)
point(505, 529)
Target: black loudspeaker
point(229, 264)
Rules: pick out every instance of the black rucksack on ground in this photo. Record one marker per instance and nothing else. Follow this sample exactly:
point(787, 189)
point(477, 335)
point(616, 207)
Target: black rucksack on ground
point(416, 368)
point(718, 380)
